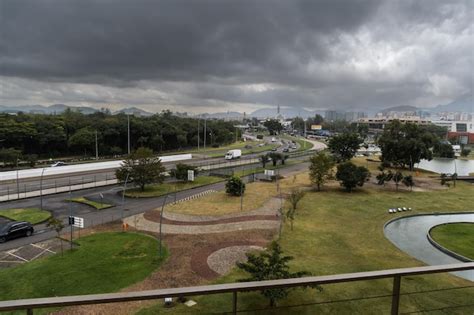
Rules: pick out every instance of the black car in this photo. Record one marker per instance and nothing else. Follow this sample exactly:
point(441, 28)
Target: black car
point(15, 229)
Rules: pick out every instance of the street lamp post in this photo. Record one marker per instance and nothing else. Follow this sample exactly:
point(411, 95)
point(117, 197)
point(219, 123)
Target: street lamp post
point(123, 192)
point(41, 189)
point(161, 223)
point(96, 147)
point(128, 132)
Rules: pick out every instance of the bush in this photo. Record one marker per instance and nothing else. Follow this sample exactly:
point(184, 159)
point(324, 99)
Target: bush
point(181, 171)
point(235, 186)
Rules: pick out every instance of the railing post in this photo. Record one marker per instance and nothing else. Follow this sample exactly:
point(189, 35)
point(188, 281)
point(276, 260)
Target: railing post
point(396, 294)
point(234, 302)
point(29, 311)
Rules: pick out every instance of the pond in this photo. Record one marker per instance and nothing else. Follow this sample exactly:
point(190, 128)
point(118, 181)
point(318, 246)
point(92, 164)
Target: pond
point(443, 165)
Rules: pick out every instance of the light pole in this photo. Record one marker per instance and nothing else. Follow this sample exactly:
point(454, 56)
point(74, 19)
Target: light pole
point(161, 222)
point(41, 189)
point(96, 147)
point(128, 132)
point(123, 192)
point(205, 131)
point(199, 131)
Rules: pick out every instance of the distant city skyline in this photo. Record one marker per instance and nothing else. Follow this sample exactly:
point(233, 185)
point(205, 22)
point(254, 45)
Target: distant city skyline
point(211, 56)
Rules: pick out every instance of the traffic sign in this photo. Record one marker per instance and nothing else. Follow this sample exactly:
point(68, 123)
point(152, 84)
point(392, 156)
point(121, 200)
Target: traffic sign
point(78, 222)
point(191, 175)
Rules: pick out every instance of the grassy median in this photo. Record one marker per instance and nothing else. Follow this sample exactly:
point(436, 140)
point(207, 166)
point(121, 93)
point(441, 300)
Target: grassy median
point(91, 203)
point(32, 215)
point(165, 188)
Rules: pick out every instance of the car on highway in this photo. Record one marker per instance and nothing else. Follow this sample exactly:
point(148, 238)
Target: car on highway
point(58, 163)
point(15, 229)
point(286, 150)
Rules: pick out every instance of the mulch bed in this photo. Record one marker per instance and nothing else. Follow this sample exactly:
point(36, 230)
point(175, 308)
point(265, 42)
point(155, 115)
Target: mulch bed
point(154, 216)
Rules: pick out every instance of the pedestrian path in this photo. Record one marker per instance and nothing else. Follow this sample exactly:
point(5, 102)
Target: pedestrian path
point(265, 217)
point(56, 190)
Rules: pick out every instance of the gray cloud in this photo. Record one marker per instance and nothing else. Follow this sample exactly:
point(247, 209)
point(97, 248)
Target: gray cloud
point(219, 55)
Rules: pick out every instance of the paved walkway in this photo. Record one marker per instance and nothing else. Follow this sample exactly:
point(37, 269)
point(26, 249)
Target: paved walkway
point(268, 219)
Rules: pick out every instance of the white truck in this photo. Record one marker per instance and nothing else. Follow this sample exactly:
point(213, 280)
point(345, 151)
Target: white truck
point(233, 154)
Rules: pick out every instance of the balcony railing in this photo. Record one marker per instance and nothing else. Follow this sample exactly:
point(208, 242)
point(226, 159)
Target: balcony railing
point(396, 274)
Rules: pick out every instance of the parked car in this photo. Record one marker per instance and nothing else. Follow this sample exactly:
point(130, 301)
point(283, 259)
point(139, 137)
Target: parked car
point(15, 229)
point(58, 163)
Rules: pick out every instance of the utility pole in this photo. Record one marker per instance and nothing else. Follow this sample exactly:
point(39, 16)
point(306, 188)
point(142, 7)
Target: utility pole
point(128, 129)
point(96, 147)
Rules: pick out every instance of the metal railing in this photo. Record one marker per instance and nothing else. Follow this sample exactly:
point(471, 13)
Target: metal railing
point(396, 274)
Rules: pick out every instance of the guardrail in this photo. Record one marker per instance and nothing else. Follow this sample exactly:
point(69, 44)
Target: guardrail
point(30, 304)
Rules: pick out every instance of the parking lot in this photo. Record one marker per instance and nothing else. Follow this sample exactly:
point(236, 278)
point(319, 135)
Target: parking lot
point(30, 252)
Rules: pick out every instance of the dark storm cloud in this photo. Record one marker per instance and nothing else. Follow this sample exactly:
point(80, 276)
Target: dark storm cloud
point(216, 53)
point(177, 40)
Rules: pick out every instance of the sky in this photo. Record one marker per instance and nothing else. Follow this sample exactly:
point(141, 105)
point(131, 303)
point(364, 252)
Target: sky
point(217, 56)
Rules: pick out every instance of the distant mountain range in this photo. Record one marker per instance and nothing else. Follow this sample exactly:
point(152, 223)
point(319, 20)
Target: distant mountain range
point(59, 108)
point(463, 104)
point(53, 109)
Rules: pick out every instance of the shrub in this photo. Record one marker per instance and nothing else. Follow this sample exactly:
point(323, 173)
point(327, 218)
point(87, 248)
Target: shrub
point(235, 186)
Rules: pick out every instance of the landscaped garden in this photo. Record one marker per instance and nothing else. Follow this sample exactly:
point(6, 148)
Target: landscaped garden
point(32, 215)
point(457, 237)
point(103, 262)
point(338, 232)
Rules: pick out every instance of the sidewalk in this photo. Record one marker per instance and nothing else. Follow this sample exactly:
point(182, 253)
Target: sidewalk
point(56, 190)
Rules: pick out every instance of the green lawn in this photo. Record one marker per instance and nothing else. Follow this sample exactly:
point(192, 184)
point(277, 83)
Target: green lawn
point(32, 215)
point(337, 232)
point(162, 189)
point(94, 204)
point(104, 262)
point(457, 237)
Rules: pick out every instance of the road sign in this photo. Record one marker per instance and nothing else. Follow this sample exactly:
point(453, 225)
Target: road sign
point(191, 175)
point(316, 127)
point(78, 222)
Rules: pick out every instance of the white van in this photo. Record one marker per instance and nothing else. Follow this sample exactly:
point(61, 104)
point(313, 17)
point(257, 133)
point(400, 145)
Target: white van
point(233, 154)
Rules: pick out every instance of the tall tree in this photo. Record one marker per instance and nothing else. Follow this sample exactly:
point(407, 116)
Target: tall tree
point(273, 126)
point(345, 146)
point(406, 144)
point(142, 167)
point(351, 175)
point(320, 169)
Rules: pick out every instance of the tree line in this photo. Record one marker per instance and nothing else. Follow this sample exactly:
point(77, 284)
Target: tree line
point(72, 133)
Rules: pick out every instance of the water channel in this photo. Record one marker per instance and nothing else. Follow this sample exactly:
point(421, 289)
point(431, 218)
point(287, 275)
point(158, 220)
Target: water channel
point(410, 235)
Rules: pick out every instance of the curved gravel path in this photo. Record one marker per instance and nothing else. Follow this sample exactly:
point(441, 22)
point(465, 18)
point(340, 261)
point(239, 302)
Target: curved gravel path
point(410, 235)
point(265, 217)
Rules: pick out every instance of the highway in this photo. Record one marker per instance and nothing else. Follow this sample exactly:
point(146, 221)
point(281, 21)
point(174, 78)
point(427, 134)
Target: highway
point(84, 175)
